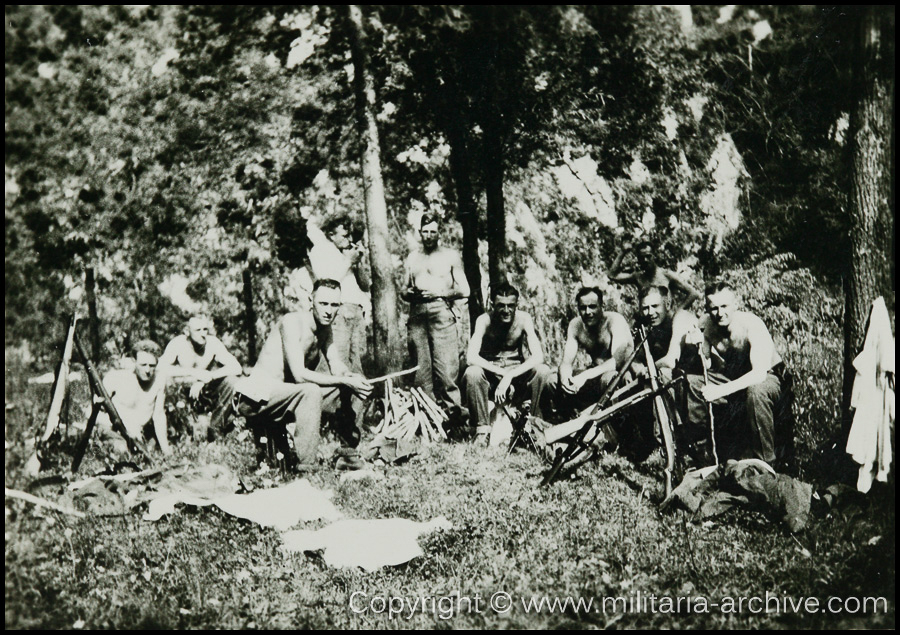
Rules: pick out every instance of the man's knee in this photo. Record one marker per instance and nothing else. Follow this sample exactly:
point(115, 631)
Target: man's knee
point(764, 394)
point(544, 373)
point(475, 376)
point(310, 396)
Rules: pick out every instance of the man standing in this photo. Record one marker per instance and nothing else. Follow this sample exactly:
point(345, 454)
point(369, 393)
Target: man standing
point(299, 374)
point(746, 373)
point(497, 357)
point(605, 337)
point(200, 363)
point(350, 325)
point(435, 280)
point(333, 255)
point(139, 398)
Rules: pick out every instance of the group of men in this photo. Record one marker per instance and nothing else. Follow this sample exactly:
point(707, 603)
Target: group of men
point(306, 367)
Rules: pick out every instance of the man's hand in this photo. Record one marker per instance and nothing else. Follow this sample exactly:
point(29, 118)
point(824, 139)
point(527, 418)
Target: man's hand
point(574, 384)
point(693, 337)
point(196, 389)
point(358, 384)
point(640, 370)
point(354, 254)
point(666, 362)
point(713, 392)
point(504, 390)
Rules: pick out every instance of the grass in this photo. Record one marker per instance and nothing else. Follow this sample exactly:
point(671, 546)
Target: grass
point(597, 535)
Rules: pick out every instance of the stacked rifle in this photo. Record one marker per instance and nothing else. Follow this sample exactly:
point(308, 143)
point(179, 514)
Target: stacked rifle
point(409, 413)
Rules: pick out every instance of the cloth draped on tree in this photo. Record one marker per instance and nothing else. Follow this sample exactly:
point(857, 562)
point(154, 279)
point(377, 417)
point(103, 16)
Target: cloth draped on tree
point(869, 442)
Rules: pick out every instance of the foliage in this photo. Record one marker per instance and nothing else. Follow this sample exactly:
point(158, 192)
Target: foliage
point(196, 142)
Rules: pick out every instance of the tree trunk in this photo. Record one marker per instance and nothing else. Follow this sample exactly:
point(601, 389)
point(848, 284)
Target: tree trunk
point(387, 346)
point(249, 315)
point(871, 189)
point(90, 288)
point(496, 212)
point(460, 170)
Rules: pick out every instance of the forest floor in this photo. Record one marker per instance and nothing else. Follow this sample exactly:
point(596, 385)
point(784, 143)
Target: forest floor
point(598, 535)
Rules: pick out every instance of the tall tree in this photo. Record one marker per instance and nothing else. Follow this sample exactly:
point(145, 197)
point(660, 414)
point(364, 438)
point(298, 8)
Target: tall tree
point(387, 344)
point(872, 178)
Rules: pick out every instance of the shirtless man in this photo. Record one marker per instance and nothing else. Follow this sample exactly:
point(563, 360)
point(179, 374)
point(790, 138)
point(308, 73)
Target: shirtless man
point(497, 360)
point(139, 398)
point(745, 372)
point(647, 274)
point(667, 330)
point(435, 280)
point(200, 363)
point(332, 254)
point(605, 337)
point(299, 374)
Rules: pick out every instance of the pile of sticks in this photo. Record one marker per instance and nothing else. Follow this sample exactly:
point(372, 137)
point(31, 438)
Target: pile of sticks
point(411, 412)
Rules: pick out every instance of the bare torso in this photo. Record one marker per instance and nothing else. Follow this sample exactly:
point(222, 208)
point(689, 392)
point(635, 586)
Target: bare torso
point(433, 273)
point(597, 342)
point(729, 348)
point(272, 362)
point(505, 343)
point(135, 403)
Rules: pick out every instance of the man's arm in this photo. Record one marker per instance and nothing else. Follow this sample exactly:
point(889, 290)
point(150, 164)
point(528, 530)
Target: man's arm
point(762, 350)
point(692, 294)
point(409, 292)
point(615, 272)
point(360, 267)
point(682, 323)
point(460, 286)
point(160, 423)
point(230, 366)
point(570, 351)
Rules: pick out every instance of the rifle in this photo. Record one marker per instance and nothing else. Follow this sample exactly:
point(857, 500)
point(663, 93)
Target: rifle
point(712, 420)
point(577, 444)
point(660, 410)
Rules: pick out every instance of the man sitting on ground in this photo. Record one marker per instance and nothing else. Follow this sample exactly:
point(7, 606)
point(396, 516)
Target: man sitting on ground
point(605, 337)
point(667, 329)
point(299, 374)
point(497, 360)
point(139, 397)
point(746, 373)
point(203, 368)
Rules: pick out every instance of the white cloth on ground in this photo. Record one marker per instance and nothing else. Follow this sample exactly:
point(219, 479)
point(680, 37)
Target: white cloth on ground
point(279, 507)
point(370, 544)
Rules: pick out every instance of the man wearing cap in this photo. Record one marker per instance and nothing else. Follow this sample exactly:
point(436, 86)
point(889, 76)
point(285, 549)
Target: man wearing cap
point(434, 282)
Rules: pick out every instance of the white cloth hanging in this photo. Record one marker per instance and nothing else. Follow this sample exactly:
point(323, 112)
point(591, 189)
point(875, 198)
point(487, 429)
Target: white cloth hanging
point(869, 442)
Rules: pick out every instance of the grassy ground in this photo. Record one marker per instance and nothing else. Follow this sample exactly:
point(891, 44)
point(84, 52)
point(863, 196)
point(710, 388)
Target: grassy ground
point(598, 535)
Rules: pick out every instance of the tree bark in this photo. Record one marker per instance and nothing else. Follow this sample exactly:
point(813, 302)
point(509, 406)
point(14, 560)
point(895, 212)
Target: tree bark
point(871, 190)
point(90, 288)
point(460, 170)
point(386, 324)
point(249, 315)
point(496, 211)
